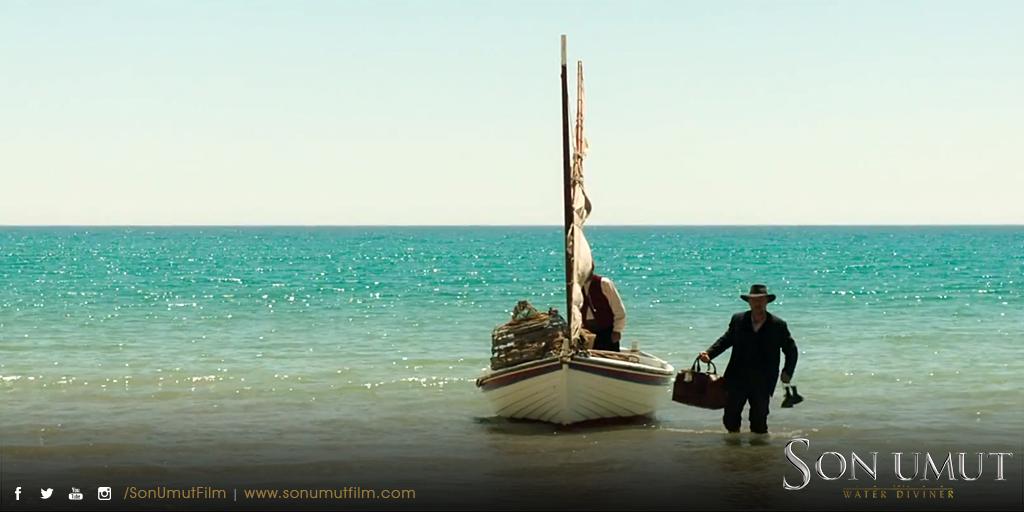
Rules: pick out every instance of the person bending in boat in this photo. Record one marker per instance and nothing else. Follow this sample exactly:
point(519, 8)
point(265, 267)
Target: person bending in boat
point(603, 312)
point(756, 338)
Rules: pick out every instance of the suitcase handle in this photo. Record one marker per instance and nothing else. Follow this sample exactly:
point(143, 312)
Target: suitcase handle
point(711, 368)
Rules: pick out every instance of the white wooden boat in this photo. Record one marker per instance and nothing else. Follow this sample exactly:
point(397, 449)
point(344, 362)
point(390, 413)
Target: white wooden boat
point(580, 387)
point(576, 384)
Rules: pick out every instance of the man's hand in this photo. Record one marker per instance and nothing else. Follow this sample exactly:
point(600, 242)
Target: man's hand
point(616, 336)
point(785, 378)
point(704, 357)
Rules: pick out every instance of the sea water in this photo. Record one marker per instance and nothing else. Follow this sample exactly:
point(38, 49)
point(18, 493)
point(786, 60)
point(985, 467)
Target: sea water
point(354, 350)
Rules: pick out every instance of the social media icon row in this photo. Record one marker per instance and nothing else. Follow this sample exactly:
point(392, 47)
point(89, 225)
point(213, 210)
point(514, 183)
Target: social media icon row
point(102, 493)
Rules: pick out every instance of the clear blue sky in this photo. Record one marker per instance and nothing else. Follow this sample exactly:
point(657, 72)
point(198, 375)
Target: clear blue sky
point(434, 112)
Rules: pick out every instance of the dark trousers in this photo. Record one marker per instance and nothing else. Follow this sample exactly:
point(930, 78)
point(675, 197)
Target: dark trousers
point(603, 341)
point(758, 414)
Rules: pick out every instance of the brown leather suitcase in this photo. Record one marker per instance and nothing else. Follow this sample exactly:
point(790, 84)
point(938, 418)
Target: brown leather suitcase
point(698, 388)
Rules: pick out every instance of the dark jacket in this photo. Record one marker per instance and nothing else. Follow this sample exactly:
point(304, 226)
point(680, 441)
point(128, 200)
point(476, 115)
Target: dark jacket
point(754, 363)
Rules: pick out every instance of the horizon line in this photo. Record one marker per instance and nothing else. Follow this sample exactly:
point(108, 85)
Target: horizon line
point(6, 226)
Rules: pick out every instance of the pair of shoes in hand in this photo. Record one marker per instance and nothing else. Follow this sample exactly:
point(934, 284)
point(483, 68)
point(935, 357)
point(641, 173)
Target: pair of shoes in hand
point(792, 397)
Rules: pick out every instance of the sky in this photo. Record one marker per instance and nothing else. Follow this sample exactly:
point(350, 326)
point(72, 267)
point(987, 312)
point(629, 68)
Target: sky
point(444, 112)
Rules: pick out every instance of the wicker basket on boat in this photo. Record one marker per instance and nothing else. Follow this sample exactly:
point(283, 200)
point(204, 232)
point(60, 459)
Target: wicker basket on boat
point(530, 335)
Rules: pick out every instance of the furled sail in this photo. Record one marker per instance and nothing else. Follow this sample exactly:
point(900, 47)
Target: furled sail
point(583, 262)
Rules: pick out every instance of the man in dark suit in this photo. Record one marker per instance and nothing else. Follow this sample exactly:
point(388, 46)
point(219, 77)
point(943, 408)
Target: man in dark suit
point(756, 338)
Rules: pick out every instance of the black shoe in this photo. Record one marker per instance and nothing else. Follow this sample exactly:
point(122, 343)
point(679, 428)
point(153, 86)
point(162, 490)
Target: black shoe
point(792, 398)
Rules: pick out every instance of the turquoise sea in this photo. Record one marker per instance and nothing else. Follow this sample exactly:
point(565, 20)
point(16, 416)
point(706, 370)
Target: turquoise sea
point(350, 353)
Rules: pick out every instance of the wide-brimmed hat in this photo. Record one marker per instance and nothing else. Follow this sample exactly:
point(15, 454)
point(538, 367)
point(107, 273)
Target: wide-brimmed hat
point(758, 290)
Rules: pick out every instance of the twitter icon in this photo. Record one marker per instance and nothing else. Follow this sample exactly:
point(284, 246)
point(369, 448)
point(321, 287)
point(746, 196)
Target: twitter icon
point(46, 493)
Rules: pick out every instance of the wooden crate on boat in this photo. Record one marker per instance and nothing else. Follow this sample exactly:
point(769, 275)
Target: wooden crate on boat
point(524, 340)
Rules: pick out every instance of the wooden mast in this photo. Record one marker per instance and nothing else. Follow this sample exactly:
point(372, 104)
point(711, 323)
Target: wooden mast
point(567, 190)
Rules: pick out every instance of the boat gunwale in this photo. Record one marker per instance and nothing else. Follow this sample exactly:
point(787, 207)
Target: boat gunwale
point(620, 372)
point(590, 357)
point(629, 366)
point(484, 380)
point(580, 361)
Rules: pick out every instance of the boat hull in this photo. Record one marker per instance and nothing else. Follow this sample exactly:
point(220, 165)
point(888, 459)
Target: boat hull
point(575, 389)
